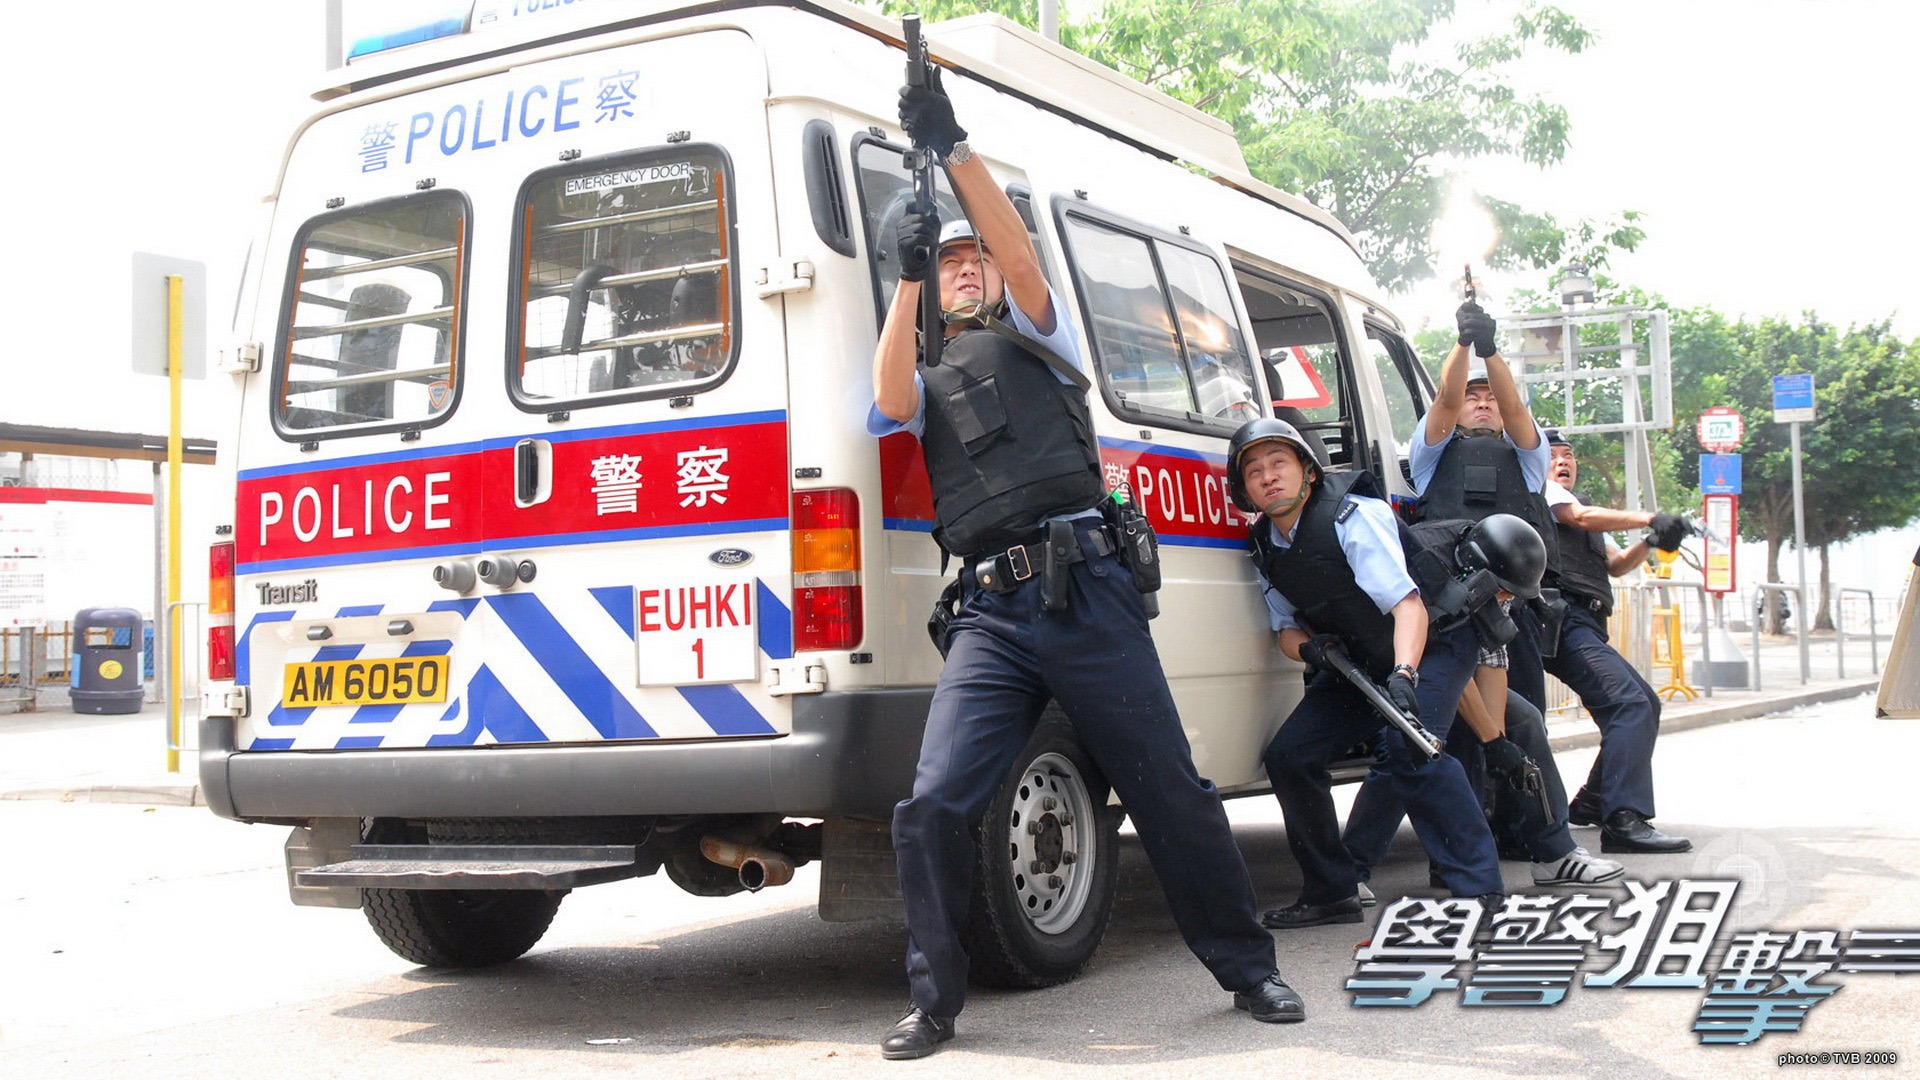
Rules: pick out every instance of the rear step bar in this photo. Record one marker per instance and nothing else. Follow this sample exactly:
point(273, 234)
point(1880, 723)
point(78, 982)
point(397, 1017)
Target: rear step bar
point(464, 866)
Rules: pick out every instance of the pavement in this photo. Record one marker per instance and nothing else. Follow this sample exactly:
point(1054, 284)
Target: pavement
point(55, 753)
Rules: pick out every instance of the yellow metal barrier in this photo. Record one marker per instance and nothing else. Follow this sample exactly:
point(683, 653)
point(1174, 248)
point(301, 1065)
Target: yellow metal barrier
point(1669, 642)
point(1670, 652)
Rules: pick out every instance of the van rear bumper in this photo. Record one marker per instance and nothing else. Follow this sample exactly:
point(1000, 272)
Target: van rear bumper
point(849, 755)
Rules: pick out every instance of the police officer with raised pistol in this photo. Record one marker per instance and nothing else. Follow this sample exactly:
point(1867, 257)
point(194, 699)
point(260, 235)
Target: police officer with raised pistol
point(1334, 568)
point(1618, 794)
point(1046, 608)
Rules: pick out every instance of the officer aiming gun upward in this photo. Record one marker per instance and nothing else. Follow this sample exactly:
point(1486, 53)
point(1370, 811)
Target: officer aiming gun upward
point(1049, 605)
point(1618, 794)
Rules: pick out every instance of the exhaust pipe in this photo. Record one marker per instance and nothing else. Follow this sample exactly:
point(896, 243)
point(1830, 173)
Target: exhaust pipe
point(758, 866)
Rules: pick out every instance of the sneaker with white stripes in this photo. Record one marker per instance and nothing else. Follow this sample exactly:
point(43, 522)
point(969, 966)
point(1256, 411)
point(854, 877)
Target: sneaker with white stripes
point(1578, 867)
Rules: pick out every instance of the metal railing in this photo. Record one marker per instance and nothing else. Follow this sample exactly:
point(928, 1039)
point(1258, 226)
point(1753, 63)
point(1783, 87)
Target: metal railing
point(1680, 614)
point(1873, 630)
point(32, 657)
point(186, 657)
point(1799, 626)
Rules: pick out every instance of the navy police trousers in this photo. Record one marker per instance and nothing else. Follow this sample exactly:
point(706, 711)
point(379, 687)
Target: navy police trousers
point(1332, 717)
point(1006, 658)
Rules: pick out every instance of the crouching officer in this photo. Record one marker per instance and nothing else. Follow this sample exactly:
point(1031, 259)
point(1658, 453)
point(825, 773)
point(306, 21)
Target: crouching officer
point(1504, 738)
point(1333, 563)
point(1047, 610)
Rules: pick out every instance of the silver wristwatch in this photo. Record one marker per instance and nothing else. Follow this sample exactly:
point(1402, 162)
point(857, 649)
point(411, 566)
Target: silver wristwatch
point(960, 154)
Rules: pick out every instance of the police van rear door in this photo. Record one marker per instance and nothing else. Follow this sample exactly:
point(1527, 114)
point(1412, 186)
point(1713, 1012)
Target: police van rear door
point(514, 472)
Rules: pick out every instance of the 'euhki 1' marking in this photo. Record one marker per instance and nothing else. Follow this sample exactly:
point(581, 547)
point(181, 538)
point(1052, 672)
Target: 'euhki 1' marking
point(693, 607)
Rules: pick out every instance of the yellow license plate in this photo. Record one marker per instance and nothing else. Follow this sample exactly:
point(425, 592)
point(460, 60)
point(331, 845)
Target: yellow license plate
point(400, 680)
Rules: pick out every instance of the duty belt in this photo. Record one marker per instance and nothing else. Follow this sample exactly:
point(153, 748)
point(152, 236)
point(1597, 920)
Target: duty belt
point(1003, 571)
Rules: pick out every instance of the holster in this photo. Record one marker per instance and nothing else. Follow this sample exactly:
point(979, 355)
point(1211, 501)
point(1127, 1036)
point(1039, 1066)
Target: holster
point(1551, 609)
point(1139, 547)
point(1456, 602)
point(945, 610)
point(1493, 626)
point(1062, 551)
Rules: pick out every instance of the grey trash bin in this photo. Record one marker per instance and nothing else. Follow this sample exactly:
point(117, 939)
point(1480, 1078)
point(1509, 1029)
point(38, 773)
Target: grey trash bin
point(106, 661)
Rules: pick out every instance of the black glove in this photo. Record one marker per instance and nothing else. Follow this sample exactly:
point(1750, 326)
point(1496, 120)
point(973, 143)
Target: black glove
point(1313, 651)
point(1668, 531)
point(1477, 329)
point(915, 239)
point(1504, 756)
point(1400, 691)
point(927, 114)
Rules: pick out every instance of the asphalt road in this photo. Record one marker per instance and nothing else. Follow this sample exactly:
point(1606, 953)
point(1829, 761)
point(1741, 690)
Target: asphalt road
point(135, 940)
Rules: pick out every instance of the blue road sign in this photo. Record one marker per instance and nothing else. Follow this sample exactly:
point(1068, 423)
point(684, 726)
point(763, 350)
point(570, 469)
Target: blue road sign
point(1719, 474)
point(1792, 398)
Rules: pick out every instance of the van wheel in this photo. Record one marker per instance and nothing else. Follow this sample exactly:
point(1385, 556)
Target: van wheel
point(455, 928)
point(460, 928)
point(1047, 856)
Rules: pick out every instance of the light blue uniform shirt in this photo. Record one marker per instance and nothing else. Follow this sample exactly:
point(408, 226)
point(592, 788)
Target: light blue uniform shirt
point(1064, 341)
point(1370, 539)
point(1423, 459)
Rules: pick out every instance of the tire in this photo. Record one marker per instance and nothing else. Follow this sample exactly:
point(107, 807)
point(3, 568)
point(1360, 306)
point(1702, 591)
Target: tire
point(1030, 926)
point(459, 928)
point(456, 928)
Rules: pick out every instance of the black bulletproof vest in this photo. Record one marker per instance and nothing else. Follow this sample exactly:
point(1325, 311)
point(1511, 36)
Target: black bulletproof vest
point(1007, 445)
point(1478, 476)
point(1579, 566)
point(1315, 577)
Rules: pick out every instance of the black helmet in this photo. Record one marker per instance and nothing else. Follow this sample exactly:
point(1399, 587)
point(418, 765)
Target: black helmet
point(1259, 431)
point(1554, 438)
point(1509, 549)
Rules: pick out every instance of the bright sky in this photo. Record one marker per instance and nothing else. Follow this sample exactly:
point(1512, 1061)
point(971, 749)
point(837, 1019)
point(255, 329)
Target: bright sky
point(1764, 141)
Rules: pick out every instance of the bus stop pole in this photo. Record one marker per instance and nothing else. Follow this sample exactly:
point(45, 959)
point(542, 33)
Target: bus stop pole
point(175, 362)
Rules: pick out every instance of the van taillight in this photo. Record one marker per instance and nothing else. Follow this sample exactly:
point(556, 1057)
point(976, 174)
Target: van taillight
point(826, 570)
point(220, 611)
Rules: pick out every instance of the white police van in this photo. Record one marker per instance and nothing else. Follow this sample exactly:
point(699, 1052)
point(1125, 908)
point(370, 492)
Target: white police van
point(559, 552)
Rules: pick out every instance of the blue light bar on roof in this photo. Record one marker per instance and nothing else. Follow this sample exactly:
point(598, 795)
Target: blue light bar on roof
point(393, 24)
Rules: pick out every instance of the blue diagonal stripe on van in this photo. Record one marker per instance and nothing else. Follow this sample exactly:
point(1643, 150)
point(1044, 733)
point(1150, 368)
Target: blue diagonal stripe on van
point(577, 676)
point(776, 622)
point(281, 716)
point(243, 649)
point(492, 709)
point(725, 710)
point(618, 600)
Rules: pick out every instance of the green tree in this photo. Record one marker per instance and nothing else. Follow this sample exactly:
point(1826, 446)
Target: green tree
point(1354, 104)
point(1856, 472)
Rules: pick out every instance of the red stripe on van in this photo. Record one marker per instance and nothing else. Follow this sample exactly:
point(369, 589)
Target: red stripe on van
point(1185, 496)
point(709, 475)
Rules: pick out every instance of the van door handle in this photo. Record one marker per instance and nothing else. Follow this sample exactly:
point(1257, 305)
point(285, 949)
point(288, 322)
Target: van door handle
point(532, 472)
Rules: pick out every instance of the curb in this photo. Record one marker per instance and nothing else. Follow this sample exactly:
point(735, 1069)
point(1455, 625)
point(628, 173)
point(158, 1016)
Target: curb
point(145, 794)
point(1705, 716)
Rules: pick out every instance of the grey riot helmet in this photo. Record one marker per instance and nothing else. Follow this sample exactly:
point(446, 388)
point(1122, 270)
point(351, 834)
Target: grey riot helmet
point(1509, 549)
point(1258, 431)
